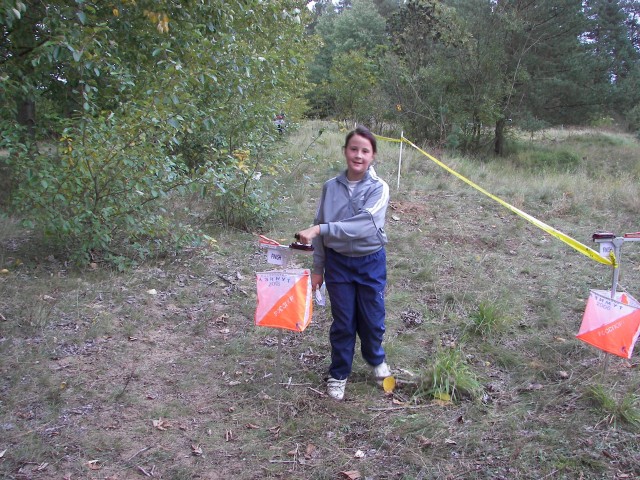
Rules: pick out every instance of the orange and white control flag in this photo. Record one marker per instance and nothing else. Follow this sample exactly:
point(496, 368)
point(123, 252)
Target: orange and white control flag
point(611, 324)
point(284, 299)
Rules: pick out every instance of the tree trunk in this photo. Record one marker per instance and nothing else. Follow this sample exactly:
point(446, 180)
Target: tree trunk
point(27, 115)
point(498, 145)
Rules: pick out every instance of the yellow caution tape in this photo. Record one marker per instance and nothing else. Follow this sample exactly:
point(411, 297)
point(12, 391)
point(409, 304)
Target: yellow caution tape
point(387, 139)
point(550, 230)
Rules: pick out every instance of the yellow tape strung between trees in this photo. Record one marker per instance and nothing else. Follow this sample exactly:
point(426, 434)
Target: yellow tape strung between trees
point(550, 230)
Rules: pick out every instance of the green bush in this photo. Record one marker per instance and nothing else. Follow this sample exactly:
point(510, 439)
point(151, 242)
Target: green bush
point(633, 117)
point(96, 190)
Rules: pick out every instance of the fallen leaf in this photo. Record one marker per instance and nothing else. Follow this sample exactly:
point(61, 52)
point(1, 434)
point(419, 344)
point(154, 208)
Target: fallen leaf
point(153, 291)
point(94, 464)
point(251, 426)
point(3, 452)
point(4, 271)
point(424, 441)
point(228, 435)
point(359, 454)
point(310, 451)
point(161, 424)
point(351, 474)
point(448, 441)
point(442, 396)
point(196, 450)
point(389, 384)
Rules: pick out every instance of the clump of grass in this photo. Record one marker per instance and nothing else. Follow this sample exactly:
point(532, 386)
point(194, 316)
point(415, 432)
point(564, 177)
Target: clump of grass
point(549, 160)
point(487, 318)
point(615, 411)
point(601, 140)
point(449, 378)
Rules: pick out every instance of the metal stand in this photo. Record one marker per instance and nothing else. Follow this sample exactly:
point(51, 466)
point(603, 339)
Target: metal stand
point(609, 242)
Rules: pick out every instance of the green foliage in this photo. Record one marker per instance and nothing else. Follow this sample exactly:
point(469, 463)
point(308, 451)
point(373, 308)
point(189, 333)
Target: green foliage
point(344, 69)
point(449, 377)
point(602, 121)
point(141, 99)
point(238, 201)
point(633, 117)
point(352, 79)
point(467, 66)
point(97, 188)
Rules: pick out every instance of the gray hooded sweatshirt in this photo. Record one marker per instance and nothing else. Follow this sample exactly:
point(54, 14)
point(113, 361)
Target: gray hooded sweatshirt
point(351, 224)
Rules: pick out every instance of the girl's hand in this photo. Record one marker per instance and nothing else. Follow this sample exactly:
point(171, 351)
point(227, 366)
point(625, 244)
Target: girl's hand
point(316, 281)
point(305, 236)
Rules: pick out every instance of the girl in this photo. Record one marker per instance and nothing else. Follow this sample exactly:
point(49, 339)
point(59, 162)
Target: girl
point(349, 256)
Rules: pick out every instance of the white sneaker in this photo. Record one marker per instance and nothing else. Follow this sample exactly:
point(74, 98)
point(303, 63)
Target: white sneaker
point(381, 372)
point(335, 388)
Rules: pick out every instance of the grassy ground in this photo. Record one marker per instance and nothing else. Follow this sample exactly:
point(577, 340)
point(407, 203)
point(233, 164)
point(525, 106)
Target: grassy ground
point(160, 372)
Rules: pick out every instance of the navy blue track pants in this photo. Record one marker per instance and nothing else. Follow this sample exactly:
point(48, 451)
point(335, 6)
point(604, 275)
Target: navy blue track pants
point(356, 288)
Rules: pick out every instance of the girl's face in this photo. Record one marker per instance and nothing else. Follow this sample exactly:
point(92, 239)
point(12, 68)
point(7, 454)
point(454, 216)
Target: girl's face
point(359, 155)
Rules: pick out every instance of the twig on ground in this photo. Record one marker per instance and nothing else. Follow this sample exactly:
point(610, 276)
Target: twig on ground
point(401, 407)
point(137, 453)
point(126, 384)
point(146, 474)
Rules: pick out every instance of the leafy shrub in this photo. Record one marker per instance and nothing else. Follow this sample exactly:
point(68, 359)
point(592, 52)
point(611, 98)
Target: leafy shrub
point(98, 189)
